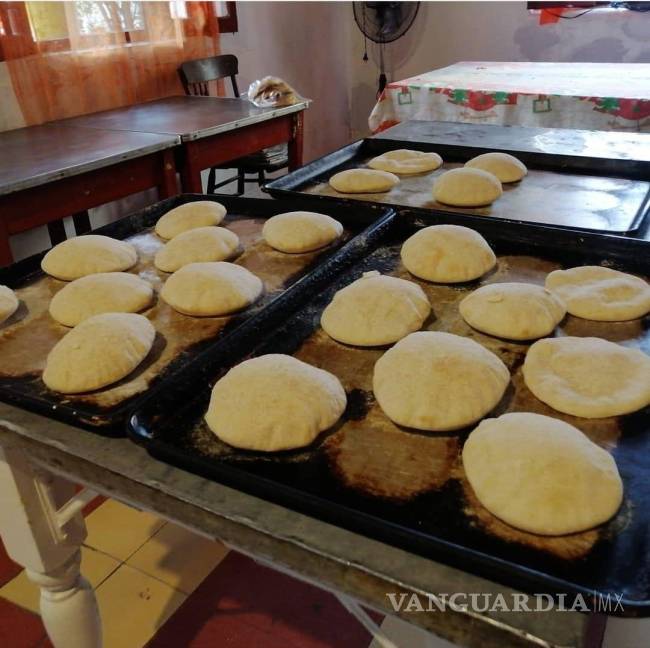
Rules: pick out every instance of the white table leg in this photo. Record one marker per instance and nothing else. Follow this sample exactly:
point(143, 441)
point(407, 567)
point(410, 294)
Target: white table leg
point(42, 530)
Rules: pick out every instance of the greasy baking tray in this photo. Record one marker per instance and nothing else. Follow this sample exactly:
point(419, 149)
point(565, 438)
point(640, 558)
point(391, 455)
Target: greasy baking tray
point(577, 193)
point(407, 487)
point(26, 339)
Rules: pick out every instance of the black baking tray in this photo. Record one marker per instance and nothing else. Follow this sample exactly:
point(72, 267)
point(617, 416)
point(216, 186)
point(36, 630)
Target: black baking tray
point(431, 524)
point(576, 192)
point(361, 223)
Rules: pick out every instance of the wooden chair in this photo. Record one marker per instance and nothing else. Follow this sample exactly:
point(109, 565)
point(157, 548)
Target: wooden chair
point(195, 76)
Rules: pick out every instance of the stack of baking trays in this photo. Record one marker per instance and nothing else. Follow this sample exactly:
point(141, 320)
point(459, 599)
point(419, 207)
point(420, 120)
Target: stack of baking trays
point(407, 486)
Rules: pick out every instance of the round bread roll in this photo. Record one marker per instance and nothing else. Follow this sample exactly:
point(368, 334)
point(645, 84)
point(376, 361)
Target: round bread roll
point(8, 303)
point(466, 187)
point(541, 475)
point(100, 351)
point(447, 254)
point(300, 231)
point(200, 213)
point(274, 402)
point(88, 254)
point(211, 289)
point(438, 381)
point(195, 246)
point(406, 162)
point(108, 292)
point(588, 377)
point(363, 181)
point(507, 168)
point(515, 311)
point(375, 310)
point(601, 294)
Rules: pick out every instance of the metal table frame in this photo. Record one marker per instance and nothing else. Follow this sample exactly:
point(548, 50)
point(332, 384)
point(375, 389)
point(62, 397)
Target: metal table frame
point(42, 529)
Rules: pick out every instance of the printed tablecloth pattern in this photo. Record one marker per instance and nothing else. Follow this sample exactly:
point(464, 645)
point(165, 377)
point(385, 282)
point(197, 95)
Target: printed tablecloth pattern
point(590, 96)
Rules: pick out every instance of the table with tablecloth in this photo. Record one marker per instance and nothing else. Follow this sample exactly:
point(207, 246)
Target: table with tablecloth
point(593, 96)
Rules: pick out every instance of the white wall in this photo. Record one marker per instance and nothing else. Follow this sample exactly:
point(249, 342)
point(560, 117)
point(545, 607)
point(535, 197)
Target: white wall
point(445, 33)
point(307, 44)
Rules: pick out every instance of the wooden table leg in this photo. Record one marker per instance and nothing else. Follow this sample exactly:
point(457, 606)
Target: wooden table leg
point(296, 141)
point(42, 530)
point(6, 256)
point(81, 222)
point(56, 230)
point(168, 184)
point(191, 169)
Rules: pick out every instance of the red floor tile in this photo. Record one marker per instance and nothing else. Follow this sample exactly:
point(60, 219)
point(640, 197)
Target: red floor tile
point(19, 628)
point(8, 568)
point(93, 504)
point(243, 604)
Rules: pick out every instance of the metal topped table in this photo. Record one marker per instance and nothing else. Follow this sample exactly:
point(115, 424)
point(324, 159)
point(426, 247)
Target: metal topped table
point(48, 172)
point(631, 148)
point(42, 530)
point(213, 130)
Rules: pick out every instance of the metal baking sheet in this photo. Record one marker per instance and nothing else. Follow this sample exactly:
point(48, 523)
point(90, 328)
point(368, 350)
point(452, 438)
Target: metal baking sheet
point(407, 487)
point(27, 338)
point(550, 194)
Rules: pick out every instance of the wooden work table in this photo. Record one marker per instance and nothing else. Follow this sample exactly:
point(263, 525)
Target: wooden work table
point(49, 172)
point(40, 459)
point(63, 168)
point(212, 130)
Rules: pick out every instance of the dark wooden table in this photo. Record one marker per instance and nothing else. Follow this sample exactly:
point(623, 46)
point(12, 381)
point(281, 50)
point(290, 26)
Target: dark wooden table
point(49, 172)
point(212, 130)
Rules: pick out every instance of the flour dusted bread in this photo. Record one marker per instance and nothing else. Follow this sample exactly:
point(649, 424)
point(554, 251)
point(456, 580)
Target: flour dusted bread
point(506, 167)
point(602, 294)
point(88, 254)
point(406, 162)
point(100, 351)
point(447, 254)
point(200, 213)
point(8, 303)
point(109, 292)
point(196, 246)
point(363, 181)
point(211, 289)
point(515, 311)
point(301, 231)
point(541, 475)
point(588, 377)
point(375, 310)
point(438, 381)
point(466, 187)
point(274, 402)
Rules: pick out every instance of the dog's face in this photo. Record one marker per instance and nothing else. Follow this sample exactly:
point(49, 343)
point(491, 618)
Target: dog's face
point(272, 91)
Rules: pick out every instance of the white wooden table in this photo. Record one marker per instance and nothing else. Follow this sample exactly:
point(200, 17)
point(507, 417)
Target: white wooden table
point(42, 529)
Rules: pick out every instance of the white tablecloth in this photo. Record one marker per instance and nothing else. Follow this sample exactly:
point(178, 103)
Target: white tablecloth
point(592, 96)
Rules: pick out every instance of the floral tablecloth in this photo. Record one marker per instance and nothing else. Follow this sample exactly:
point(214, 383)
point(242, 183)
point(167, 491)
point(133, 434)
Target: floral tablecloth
point(592, 96)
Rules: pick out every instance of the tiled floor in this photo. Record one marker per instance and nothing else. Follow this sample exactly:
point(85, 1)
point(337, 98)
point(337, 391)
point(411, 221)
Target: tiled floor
point(157, 582)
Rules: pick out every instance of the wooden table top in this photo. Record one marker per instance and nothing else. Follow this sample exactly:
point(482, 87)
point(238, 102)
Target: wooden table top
point(37, 155)
point(190, 118)
point(611, 145)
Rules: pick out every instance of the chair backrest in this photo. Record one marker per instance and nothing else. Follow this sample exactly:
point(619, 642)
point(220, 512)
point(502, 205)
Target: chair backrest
point(196, 74)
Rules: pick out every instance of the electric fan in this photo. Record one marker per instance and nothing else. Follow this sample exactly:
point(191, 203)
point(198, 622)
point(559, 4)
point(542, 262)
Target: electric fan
point(384, 22)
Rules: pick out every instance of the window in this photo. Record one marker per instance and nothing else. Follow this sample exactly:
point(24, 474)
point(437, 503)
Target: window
point(61, 26)
point(227, 14)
